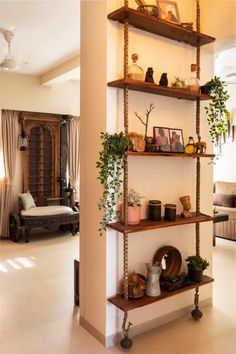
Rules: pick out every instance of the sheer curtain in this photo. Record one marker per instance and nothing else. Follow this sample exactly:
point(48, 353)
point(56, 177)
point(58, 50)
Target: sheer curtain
point(9, 134)
point(73, 154)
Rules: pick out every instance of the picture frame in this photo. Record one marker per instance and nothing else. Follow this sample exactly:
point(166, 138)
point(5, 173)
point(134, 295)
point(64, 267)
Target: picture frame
point(168, 11)
point(176, 140)
point(162, 138)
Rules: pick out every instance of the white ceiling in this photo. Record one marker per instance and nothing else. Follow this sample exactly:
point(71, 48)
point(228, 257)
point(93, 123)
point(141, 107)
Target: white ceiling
point(47, 33)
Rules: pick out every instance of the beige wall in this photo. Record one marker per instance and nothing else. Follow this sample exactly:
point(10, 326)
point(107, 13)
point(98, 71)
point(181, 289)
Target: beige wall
point(155, 178)
point(24, 93)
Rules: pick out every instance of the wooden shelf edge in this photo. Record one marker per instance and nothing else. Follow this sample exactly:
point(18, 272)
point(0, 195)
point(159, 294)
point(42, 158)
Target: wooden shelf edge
point(131, 304)
point(146, 225)
point(147, 87)
point(160, 27)
point(168, 154)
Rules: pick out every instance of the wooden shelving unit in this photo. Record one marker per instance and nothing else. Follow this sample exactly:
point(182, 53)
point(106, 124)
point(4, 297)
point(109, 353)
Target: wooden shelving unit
point(160, 27)
point(146, 225)
point(168, 154)
point(131, 304)
point(154, 89)
point(151, 24)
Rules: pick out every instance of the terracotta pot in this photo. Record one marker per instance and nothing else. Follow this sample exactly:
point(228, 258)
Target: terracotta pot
point(134, 215)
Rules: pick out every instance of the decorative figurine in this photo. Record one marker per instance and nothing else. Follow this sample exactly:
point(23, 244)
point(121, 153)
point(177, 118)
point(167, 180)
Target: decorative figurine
point(149, 76)
point(137, 141)
point(164, 80)
point(136, 285)
point(185, 201)
point(153, 276)
point(200, 146)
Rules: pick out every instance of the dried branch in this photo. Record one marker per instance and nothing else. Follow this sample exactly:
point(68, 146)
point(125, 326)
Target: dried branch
point(148, 111)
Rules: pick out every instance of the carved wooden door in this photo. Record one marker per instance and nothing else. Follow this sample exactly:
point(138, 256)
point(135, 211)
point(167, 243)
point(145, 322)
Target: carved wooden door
point(41, 162)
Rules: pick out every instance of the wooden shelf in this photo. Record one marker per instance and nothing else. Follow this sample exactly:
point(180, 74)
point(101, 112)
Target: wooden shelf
point(146, 224)
point(160, 27)
point(131, 304)
point(174, 92)
point(169, 154)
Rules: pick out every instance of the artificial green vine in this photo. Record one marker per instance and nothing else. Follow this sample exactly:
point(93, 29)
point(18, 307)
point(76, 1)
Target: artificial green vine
point(111, 165)
point(217, 109)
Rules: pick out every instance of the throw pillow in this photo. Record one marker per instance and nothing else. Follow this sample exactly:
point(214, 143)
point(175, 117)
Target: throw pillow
point(27, 200)
point(226, 200)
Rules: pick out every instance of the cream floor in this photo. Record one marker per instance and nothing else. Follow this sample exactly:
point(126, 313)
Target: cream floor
point(37, 314)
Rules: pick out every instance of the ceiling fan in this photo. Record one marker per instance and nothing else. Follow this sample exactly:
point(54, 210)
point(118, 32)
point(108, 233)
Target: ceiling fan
point(8, 63)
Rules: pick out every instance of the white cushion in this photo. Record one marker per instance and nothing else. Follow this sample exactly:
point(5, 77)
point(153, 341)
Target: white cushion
point(27, 200)
point(47, 210)
point(225, 187)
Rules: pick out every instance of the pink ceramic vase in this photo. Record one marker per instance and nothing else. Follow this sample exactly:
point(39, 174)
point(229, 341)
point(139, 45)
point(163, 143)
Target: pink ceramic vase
point(134, 215)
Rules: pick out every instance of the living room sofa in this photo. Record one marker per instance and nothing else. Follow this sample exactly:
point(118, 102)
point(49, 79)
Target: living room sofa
point(224, 201)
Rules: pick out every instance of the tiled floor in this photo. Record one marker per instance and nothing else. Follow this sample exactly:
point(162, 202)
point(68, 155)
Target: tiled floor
point(37, 314)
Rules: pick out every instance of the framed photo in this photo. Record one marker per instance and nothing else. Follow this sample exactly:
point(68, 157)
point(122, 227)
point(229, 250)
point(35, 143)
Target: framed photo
point(162, 138)
point(176, 140)
point(168, 11)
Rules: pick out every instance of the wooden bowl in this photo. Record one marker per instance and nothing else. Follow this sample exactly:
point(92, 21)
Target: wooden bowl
point(172, 258)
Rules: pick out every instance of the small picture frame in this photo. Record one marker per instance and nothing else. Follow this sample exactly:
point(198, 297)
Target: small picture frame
point(176, 140)
point(168, 11)
point(162, 138)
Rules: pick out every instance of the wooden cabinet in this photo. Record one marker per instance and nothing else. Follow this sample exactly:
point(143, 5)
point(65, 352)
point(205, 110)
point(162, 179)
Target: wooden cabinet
point(41, 162)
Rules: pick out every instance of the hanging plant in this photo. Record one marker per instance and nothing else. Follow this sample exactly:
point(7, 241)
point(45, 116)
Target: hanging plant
point(111, 165)
point(217, 109)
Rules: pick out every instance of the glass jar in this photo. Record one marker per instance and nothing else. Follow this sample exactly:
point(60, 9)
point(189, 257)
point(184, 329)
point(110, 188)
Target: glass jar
point(193, 83)
point(135, 72)
point(190, 148)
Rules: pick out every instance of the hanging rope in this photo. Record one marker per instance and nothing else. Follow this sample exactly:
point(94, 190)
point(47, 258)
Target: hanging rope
point(196, 313)
point(125, 202)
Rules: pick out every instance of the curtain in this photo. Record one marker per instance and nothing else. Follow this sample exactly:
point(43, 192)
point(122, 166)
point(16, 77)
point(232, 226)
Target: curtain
point(9, 135)
point(73, 154)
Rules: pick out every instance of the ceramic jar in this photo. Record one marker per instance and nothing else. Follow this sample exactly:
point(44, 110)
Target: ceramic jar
point(170, 212)
point(154, 210)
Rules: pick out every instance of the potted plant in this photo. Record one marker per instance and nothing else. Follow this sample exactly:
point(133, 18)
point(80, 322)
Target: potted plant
point(216, 109)
point(134, 207)
point(110, 165)
point(196, 266)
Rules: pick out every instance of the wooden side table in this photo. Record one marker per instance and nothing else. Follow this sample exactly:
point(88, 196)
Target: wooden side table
point(218, 217)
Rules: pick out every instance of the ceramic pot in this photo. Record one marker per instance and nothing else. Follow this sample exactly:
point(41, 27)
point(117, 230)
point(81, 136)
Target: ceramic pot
point(134, 215)
point(194, 275)
point(205, 89)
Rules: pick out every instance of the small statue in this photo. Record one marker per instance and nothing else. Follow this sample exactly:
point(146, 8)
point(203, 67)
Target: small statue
point(185, 201)
point(149, 76)
point(201, 146)
point(164, 80)
point(136, 285)
point(137, 141)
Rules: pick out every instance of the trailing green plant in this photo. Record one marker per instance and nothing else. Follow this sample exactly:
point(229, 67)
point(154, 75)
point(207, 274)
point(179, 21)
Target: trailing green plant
point(216, 109)
point(111, 165)
point(197, 262)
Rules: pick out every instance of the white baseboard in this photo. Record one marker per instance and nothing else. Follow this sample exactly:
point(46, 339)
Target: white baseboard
point(143, 327)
